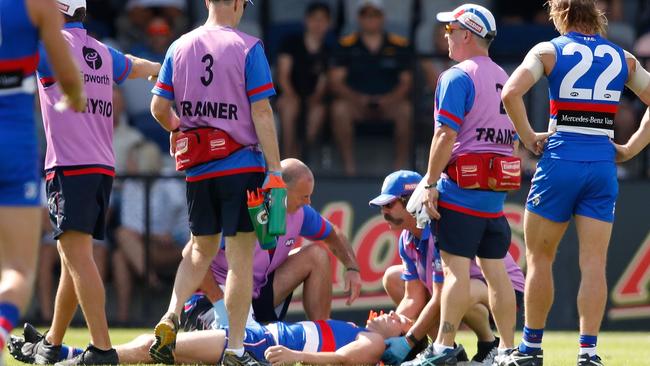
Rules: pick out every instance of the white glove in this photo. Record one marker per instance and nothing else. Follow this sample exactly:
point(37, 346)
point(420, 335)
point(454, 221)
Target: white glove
point(415, 205)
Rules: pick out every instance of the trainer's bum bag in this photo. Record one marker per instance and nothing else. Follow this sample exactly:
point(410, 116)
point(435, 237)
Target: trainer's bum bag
point(486, 171)
point(200, 145)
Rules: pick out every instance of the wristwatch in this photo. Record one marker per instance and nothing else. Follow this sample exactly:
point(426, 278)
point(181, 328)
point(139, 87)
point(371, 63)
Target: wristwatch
point(432, 185)
point(412, 338)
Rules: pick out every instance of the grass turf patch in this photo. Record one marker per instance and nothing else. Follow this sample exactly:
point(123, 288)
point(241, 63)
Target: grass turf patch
point(560, 348)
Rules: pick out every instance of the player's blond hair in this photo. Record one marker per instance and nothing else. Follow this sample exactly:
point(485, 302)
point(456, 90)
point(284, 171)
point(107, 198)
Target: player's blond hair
point(581, 15)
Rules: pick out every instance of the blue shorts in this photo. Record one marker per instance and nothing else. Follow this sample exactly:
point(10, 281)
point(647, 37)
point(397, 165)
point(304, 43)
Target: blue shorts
point(256, 340)
point(20, 182)
point(563, 188)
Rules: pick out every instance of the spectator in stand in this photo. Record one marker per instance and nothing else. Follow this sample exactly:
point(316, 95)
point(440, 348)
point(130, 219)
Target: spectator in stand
point(619, 30)
point(132, 27)
point(124, 135)
point(302, 63)
point(137, 93)
point(159, 37)
point(371, 80)
point(167, 224)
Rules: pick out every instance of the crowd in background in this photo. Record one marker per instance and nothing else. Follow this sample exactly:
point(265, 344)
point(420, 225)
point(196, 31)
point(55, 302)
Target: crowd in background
point(355, 99)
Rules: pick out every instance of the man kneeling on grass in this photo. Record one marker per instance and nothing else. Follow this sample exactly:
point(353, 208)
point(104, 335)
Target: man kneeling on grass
point(319, 342)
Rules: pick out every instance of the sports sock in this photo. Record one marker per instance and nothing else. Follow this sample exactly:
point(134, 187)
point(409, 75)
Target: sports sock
point(531, 341)
point(220, 313)
point(9, 315)
point(441, 348)
point(237, 351)
point(69, 352)
point(485, 346)
point(588, 344)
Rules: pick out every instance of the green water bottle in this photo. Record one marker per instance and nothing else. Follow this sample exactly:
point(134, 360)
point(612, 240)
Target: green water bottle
point(277, 211)
point(260, 219)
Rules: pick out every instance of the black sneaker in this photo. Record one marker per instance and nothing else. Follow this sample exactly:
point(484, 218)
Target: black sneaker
point(586, 360)
point(162, 350)
point(33, 348)
point(486, 352)
point(231, 359)
point(429, 358)
point(516, 358)
point(92, 356)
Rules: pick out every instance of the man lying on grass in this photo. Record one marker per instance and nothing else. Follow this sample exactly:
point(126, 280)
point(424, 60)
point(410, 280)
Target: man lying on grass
point(318, 342)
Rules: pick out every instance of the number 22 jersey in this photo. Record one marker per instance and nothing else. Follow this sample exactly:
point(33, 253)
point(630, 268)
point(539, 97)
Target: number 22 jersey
point(585, 88)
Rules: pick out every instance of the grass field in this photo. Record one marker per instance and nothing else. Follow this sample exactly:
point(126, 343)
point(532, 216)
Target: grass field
point(616, 348)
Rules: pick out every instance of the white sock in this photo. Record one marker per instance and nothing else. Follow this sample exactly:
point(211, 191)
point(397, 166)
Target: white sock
point(591, 351)
point(440, 348)
point(237, 351)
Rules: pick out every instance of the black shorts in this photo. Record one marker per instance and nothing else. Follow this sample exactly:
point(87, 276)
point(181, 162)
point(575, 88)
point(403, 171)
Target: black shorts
point(78, 202)
point(218, 205)
point(263, 309)
point(471, 236)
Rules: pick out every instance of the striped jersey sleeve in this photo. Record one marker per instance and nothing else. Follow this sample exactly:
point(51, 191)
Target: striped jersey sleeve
point(314, 226)
point(122, 66)
point(454, 98)
point(259, 84)
point(164, 86)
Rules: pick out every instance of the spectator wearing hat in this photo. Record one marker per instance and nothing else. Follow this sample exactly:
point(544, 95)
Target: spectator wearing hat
point(302, 66)
point(371, 80)
point(469, 222)
point(132, 28)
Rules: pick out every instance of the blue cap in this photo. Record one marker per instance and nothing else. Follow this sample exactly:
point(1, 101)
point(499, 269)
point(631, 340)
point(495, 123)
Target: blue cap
point(397, 184)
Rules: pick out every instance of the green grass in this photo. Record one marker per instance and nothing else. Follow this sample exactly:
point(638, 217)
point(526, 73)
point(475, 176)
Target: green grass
point(560, 348)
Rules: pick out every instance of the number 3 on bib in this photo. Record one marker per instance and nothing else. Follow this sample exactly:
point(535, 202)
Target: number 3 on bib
point(600, 91)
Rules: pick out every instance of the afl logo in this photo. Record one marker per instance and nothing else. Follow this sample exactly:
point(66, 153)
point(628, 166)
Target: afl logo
point(263, 217)
point(290, 242)
point(92, 58)
point(574, 94)
point(607, 96)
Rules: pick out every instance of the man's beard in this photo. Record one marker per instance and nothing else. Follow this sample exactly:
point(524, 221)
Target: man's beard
point(393, 220)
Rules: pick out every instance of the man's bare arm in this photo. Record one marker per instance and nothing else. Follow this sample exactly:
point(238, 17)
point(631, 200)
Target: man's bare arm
point(46, 16)
point(341, 248)
point(637, 142)
point(415, 297)
point(162, 111)
point(265, 129)
point(143, 68)
point(429, 319)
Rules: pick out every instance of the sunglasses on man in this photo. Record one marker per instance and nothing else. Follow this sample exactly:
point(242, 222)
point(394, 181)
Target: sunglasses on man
point(450, 28)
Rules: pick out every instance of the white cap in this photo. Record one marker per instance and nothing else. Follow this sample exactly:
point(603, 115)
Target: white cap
point(377, 4)
point(474, 17)
point(68, 7)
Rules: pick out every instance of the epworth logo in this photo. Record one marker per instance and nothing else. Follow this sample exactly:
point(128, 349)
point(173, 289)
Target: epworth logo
point(92, 58)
